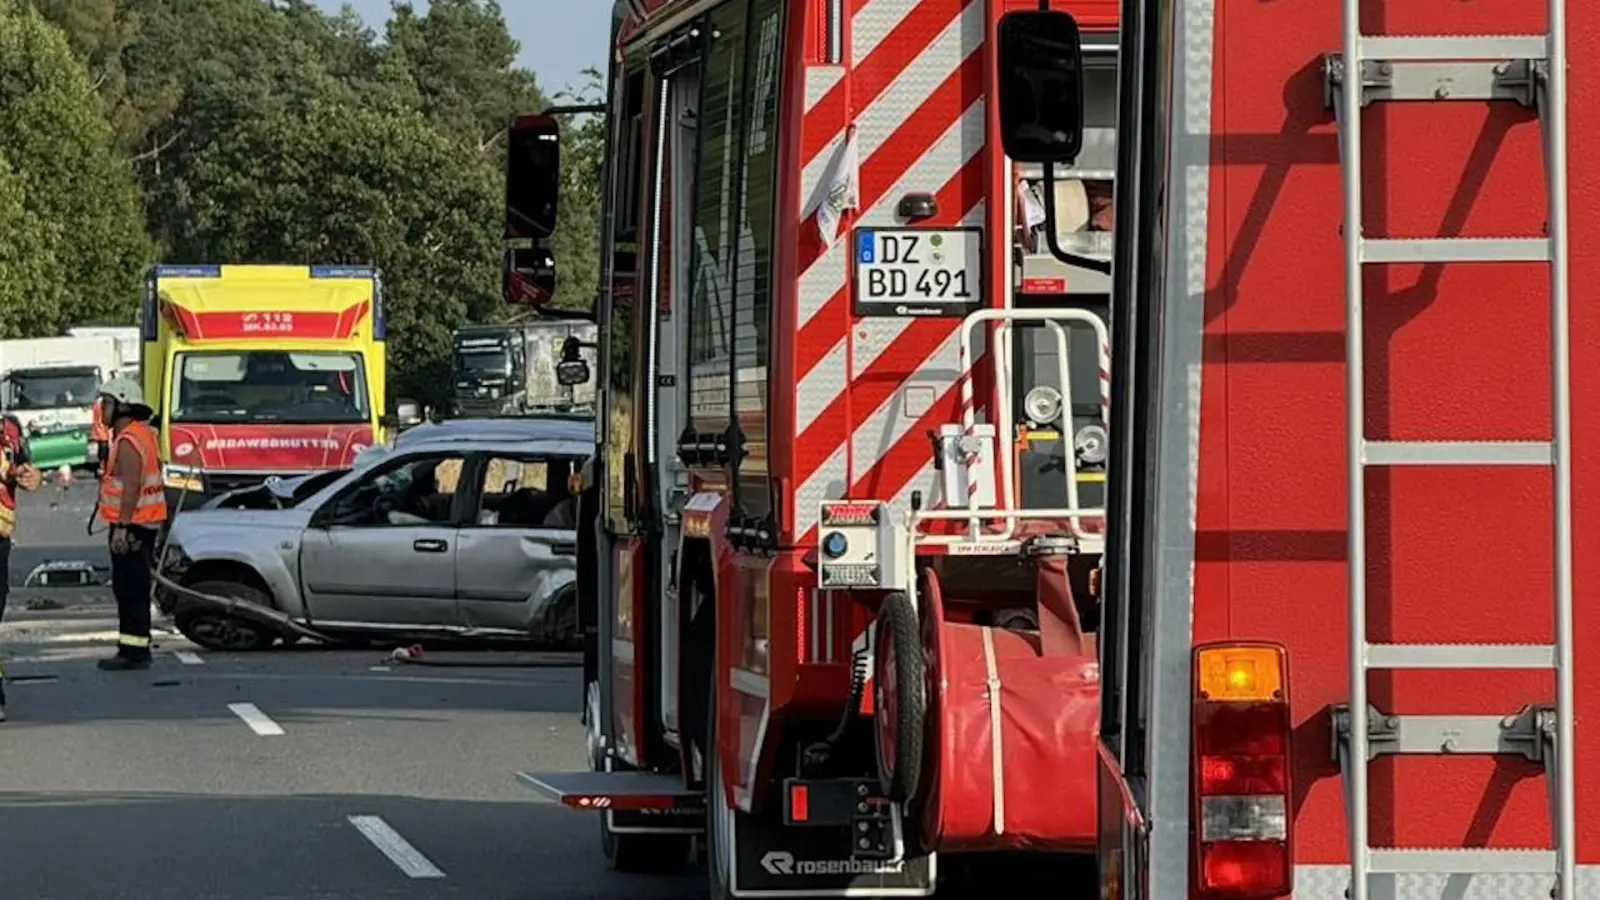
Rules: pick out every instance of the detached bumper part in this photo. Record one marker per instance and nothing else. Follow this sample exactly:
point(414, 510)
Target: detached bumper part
point(173, 563)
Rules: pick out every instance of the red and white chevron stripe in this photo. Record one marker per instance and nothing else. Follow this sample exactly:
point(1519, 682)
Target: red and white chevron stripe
point(870, 390)
point(1105, 383)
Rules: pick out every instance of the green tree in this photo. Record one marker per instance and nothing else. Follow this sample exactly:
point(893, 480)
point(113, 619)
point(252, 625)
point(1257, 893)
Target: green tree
point(71, 196)
point(461, 58)
point(270, 131)
point(32, 278)
point(99, 31)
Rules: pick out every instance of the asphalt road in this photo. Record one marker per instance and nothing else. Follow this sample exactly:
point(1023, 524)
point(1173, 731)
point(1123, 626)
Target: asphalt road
point(51, 526)
point(299, 774)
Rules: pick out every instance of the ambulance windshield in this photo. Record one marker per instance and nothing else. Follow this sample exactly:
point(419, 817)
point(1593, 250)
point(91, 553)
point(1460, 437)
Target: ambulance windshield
point(269, 386)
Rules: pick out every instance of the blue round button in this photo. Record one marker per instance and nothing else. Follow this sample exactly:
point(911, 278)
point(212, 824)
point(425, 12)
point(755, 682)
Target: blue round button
point(834, 545)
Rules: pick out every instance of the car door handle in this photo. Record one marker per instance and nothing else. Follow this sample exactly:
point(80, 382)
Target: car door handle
point(564, 548)
point(430, 546)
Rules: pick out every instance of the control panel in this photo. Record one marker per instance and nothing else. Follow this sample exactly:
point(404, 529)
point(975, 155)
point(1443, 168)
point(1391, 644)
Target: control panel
point(860, 546)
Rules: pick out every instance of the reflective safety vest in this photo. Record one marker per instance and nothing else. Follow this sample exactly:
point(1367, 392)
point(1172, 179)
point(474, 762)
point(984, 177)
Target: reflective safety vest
point(11, 447)
point(99, 431)
point(8, 495)
point(152, 508)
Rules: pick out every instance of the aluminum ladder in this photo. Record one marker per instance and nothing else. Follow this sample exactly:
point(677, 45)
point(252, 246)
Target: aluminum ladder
point(1530, 70)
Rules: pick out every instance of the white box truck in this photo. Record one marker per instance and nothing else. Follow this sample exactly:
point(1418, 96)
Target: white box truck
point(49, 385)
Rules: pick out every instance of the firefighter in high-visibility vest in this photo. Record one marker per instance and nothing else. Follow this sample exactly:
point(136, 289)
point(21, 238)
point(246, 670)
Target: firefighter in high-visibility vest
point(133, 502)
point(100, 436)
point(15, 474)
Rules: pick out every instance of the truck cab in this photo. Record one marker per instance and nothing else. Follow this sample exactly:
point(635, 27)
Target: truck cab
point(490, 370)
point(853, 446)
point(511, 369)
point(50, 385)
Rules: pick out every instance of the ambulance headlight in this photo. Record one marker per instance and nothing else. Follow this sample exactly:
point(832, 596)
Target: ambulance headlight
point(182, 478)
point(1042, 405)
point(1090, 444)
point(835, 544)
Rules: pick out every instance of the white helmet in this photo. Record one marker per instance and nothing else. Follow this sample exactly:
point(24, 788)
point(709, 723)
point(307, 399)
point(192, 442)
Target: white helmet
point(123, 390)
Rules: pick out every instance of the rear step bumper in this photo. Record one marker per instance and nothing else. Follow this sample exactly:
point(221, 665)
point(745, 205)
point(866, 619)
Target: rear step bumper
point(632, 802)
point(809, 856)
point(621, 791)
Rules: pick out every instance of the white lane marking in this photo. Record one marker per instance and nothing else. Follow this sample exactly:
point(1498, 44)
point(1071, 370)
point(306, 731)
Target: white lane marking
point(406, 858)
point(188, 657)
point(256, 719)
point(67, 637)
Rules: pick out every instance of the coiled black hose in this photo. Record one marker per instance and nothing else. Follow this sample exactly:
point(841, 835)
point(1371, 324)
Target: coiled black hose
point(818, 754)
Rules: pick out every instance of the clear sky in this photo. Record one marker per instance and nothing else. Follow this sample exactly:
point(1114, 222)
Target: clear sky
point(559, 37)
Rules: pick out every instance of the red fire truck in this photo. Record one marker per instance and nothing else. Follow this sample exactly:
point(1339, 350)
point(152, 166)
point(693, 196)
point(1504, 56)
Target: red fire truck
point(842, 530)
point(1346, 650)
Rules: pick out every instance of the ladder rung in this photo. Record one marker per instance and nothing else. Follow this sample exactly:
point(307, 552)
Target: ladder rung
point(1460, 656)
point(1446, 250)
point(1457, 453)
point(1468, 861)
point(1479, 47)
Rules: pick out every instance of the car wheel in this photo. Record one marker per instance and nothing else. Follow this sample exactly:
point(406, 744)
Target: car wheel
point(217, 630)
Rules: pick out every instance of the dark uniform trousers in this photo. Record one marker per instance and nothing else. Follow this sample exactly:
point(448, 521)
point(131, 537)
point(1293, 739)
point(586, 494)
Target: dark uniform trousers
point(131, 579)
point(5, 574)
point(5, 590)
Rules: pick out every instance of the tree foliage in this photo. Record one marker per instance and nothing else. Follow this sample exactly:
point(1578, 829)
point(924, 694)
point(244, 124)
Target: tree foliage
point(72, 241)
point(270, 131)
point(461, 59)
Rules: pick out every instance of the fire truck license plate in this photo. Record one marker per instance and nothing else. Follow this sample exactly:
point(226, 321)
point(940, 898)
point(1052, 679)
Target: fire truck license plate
point(918, 271)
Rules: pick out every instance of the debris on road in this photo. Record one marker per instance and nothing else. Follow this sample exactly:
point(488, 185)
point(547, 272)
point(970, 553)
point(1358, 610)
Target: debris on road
point(64, 573)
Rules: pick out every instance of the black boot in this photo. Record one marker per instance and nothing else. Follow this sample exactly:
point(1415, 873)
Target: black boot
point(125, 661)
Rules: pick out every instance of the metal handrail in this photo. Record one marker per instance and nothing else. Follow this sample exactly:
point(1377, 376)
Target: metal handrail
point(1052, 318)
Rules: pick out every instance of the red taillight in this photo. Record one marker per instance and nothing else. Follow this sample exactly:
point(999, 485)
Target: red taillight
point(799, 803)
point(1239, 868)
point(1242, 777)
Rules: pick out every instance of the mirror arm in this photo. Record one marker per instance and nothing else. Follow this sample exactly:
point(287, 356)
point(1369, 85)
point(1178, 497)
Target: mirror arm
point(1051, 238)
point(586, 109)
point(568, 315)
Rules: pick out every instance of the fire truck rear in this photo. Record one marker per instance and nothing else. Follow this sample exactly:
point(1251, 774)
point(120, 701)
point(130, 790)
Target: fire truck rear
point(841, 534)
point(1350, 653)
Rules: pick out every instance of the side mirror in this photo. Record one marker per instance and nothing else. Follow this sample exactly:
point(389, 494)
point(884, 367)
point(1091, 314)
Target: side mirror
point(533, 195)
point(1041, 86)
point(406, 414)
point(528, 275)
point(533, 177)
point(572, 370)
point(572, 373)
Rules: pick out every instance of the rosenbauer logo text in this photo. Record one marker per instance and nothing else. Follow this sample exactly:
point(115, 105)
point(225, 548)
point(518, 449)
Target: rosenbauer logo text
point(272, 443)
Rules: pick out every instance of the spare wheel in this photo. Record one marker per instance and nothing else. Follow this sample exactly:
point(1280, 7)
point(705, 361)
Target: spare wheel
point(900, 697)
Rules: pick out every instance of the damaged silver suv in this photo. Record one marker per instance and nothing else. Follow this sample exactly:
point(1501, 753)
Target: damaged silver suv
point(462, 530)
